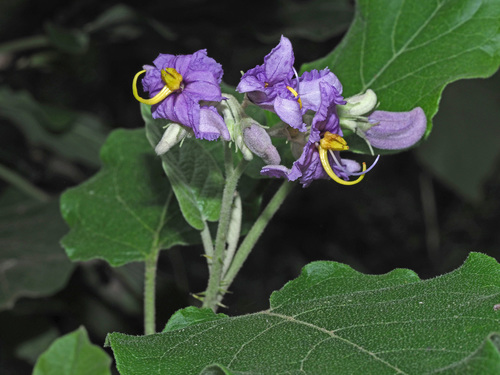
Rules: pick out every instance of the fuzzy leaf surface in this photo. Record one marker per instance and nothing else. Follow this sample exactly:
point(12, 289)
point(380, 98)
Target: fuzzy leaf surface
point(335, 320)
point(126, 211)
point(196, 179)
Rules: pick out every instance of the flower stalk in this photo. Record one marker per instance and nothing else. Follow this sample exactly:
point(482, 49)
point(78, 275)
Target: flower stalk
point(149, 293)
point(213, 290)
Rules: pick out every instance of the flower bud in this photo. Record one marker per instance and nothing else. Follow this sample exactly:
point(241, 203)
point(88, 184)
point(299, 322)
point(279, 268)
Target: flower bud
point(358, 105)
point(233, 113)
point(396, 130)
point(172, 135)
point(259, 142)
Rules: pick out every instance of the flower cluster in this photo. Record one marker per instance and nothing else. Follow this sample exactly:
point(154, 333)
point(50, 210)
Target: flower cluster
point(186, 90)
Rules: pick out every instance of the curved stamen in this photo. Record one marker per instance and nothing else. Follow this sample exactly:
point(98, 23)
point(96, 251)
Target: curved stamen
point(297, 79)
point(164, 92)
point(353, 173)
point(296, 94)
point(323, 155)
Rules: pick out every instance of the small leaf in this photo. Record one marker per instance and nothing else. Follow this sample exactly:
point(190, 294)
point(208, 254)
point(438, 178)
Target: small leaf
point(407, 52)
point(196, 178)
point(32, 264)
point(190, 316)
point(73, 354)
point(125, 212)
point(334, 320)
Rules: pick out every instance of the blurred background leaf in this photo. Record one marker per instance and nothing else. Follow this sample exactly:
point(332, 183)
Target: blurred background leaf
point(463, 150)
point(32, 263)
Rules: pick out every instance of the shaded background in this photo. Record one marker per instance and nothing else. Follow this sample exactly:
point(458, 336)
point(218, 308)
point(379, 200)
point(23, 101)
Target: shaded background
point(65, 75)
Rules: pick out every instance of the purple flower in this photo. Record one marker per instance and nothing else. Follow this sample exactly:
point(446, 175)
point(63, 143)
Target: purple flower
point(396, 130)
point(271, 86)
point(177, 85)
point(325, 129)
point(264, 82)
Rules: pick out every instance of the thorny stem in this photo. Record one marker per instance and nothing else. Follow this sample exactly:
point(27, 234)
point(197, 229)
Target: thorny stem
point(214, 282)
point(255, 232)
point(208, 245)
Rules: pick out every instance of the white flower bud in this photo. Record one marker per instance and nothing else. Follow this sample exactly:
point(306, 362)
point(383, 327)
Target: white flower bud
point(172, 135)
point(358, 105)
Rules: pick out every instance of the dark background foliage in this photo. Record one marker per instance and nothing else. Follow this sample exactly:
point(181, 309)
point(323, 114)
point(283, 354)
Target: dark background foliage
point(77, 59)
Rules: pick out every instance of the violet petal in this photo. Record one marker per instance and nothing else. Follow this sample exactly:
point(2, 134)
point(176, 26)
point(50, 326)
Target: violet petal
point(396, 130)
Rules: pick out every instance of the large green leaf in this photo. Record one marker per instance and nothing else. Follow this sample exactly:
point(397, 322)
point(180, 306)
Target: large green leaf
point(125, 212)
point(408, 51)
point(196, 178)
point(32, 263)
point(73, 354)
point(334, 320)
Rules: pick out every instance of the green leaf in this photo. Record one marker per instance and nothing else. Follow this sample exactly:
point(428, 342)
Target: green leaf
point(335, 320)
point(125, 212)
point(196, 178)
point(73, 354)
point(408, 51)
point(189, 316)
point(32, 264)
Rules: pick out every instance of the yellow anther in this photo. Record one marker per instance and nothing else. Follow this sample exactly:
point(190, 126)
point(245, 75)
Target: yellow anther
point(172, 79)
point(296, 94)
point(333, 142)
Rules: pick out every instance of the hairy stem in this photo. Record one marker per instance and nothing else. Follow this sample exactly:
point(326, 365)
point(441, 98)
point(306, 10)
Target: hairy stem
point(206, 240)
point(255, 232)
point(214, 282)
point(149, 293)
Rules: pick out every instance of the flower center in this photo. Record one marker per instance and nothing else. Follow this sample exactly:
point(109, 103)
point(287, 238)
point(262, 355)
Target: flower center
point(173, 83)
point(172, 78)
point(334, 142)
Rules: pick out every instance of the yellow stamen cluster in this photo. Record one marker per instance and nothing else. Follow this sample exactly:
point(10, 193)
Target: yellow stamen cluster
point(172, 80)
point(334, 142)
